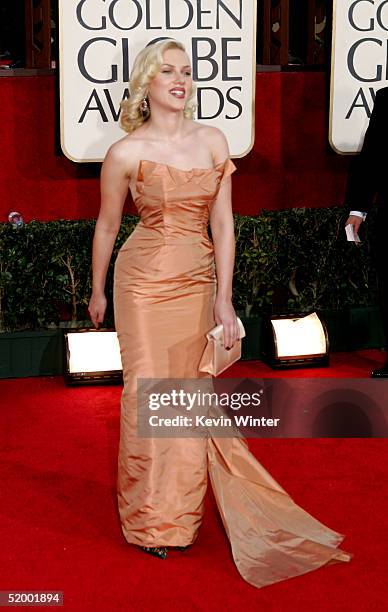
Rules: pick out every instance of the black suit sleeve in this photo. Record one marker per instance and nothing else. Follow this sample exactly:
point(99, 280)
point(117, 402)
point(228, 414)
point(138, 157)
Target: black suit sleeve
point(362, 180)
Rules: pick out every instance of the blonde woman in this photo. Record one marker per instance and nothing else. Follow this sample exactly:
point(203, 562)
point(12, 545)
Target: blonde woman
point(172, 284)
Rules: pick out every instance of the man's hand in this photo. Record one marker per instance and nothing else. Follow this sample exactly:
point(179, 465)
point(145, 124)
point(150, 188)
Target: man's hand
point(356, 222)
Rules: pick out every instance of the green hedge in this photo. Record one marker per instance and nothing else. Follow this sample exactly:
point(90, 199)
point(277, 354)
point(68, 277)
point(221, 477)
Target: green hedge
point(287, 261)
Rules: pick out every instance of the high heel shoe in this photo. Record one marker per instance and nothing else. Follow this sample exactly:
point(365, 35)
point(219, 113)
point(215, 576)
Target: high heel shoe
point(156, 551)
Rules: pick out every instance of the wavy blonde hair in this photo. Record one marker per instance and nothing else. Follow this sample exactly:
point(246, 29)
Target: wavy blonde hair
point(146, 66)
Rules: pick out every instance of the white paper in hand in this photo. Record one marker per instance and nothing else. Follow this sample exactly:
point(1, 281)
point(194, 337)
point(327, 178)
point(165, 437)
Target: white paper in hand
point(351, 235)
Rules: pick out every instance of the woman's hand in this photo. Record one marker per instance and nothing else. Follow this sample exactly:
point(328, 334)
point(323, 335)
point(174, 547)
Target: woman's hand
point(225, 315)
point(97, 307)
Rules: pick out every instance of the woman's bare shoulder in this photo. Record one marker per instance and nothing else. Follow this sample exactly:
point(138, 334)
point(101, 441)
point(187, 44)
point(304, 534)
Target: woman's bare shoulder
point(209, 131)
point(215, 140)
point(124, 153)
point(123, 147)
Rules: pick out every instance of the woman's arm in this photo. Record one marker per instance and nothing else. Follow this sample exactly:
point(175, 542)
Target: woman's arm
point(222, 228)
point(114, 189)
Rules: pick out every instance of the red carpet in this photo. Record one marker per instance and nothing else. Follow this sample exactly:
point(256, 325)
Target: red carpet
point(357, 364)
point(59, 527)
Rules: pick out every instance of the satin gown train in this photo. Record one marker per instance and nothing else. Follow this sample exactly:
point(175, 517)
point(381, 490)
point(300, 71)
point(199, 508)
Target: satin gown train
point(164, 291)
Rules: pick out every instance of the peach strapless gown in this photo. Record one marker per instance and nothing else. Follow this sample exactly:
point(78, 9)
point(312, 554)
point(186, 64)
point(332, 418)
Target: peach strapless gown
point(164, 292)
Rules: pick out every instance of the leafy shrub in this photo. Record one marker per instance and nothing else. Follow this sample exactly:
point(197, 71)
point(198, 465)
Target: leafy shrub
point(288, 261)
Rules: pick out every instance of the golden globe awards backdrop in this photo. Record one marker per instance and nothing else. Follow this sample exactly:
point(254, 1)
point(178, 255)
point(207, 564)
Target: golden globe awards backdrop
point(359, 68)
point(99, 40)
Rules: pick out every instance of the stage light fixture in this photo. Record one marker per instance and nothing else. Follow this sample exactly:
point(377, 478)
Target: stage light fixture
point(92, 356)
point(296, 341)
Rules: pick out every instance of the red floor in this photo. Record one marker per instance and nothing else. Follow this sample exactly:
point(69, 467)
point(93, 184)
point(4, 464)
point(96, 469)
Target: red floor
point(59, 527)
point(357, 364)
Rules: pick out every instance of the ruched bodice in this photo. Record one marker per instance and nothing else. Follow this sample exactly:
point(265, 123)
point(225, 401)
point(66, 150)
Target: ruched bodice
point(174, 204)
point(169, 253)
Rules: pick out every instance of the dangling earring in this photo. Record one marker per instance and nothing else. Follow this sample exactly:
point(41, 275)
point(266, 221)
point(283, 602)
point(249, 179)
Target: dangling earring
point(144, 107)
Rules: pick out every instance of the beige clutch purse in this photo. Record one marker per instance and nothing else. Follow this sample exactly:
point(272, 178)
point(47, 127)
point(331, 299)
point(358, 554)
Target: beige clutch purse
point(216, 358)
